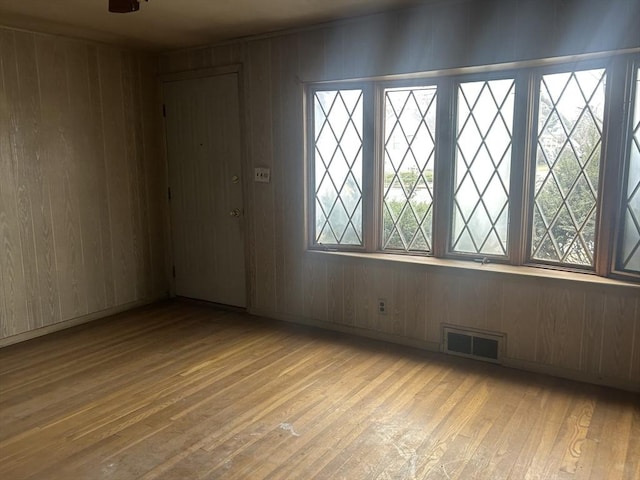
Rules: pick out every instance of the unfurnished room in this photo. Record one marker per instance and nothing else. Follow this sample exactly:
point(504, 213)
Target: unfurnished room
point(320, 239)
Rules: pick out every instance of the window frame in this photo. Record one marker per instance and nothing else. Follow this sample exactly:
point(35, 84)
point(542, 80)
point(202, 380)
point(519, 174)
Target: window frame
point(367, 161)
point(379, 146)
point(621, 68)
point(606, 162)
point(450, 161)
point(625, 99)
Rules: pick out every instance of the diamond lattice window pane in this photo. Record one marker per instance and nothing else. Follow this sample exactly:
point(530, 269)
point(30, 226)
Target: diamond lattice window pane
point(569, 140)
point(410, 126)
point(483, 160)
point(630, 252)
point(338, 121)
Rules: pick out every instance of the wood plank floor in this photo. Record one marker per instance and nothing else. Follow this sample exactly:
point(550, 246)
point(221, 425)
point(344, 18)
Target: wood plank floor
point(184, 391)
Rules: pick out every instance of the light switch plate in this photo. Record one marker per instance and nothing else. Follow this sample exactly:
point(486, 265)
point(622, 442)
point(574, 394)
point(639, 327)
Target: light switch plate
point(262, 175)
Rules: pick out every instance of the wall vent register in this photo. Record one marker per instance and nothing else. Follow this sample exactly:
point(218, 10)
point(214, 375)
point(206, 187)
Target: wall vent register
point(486, 346)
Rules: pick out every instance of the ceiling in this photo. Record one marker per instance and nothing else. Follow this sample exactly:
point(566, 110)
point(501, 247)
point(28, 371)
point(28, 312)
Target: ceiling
point(169, 24)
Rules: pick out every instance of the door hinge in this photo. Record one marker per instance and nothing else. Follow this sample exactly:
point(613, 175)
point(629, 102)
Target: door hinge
point(173, 271)
point(164, 110)
point(169, 193)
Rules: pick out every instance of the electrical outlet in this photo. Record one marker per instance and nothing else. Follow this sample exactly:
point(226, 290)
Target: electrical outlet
point(382, 306)
point(262, 174)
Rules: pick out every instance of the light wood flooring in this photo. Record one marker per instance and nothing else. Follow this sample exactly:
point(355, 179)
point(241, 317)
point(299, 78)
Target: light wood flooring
point(185, 391)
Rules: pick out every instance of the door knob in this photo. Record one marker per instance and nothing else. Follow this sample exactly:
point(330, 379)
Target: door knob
point(235, 212)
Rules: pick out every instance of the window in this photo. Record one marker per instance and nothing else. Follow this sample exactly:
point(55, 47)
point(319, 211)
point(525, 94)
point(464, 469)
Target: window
point(483, 160)
point(337, 134)
point(409, 151)
point(630, 252)
point(488, 166)
point(567, 166)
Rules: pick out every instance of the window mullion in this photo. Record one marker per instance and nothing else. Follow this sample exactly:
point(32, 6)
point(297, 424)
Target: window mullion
point(611, 166)
point(371, 168)
point(443, 168)
point(521, 166)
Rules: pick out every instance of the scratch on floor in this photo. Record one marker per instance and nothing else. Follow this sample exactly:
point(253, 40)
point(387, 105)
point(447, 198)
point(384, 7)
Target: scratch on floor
point(406, 452)
point(289, 428)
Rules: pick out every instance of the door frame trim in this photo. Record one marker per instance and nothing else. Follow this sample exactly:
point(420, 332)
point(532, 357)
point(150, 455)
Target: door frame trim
point(247, 224)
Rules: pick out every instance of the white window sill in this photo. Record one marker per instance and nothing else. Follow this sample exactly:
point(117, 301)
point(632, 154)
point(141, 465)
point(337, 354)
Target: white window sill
point(527, 271)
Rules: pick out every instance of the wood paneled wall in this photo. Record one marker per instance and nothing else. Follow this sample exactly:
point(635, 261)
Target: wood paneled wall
point(82, 196)
point(573, 328)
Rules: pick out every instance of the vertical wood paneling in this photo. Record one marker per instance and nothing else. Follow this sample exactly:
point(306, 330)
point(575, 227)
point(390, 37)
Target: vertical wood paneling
point(35, 209)
point(335, 292)
point(278, 175)
point(412, 37)
point(98, 162)
point(493, 314)
point(74, 220)
point(202, 57)
point(383, 288)
point(117, 174)
point(175, 62)
point(548, 313)
point(472, 301)
point(66, 167)
point(349, 294)
point(520, 304)
point(155, 178)
point(592, 331)
point(57, 137)
point(415, 301)
point(13, 307)
point(143, 165)
point(312, 57)
point(23, 231)
point(442, 302)
point(397, 325)
point(493, 31)
point(335, 66)
point(535, 26)
point(361, 47)
point(292, 168)
point(364, 302)
point(84, 139)
point(566, 336)
point(620, 317)
point(635, 356)
point(260, 133)
point(315, 289)
point(451, 40)
point(137, 174)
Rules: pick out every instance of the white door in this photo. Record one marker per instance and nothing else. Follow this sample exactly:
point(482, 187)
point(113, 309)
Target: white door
point(202, 118)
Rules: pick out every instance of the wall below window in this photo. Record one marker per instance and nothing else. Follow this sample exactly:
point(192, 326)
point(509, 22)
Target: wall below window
point(82, 224)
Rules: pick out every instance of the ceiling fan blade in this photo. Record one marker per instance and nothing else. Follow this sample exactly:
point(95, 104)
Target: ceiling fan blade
point(123, 6)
